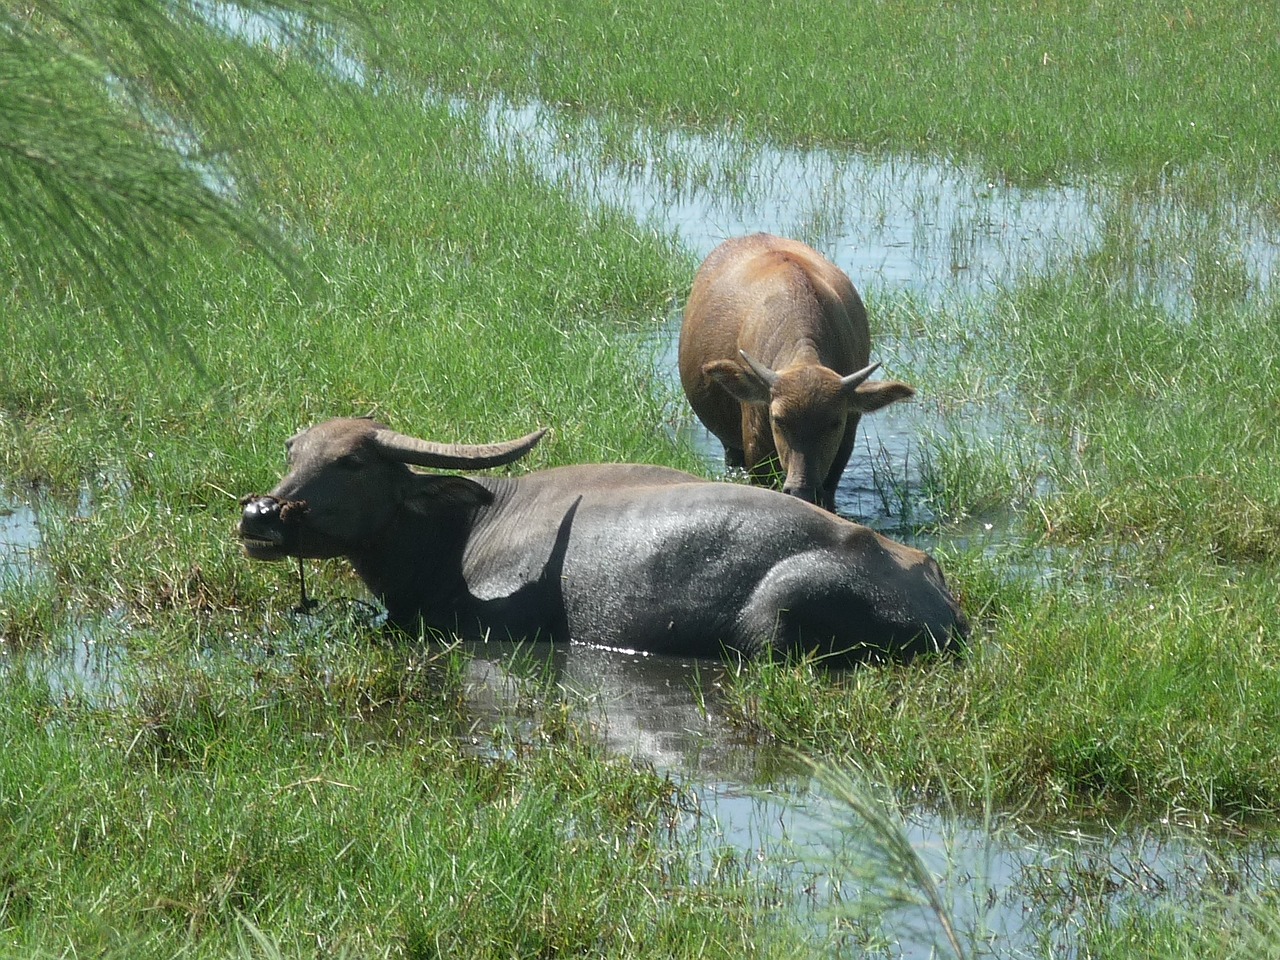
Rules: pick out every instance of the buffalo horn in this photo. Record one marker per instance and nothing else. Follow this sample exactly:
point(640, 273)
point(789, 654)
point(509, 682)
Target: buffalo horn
point(857, 377)
point(454, 456)
point(761, 371)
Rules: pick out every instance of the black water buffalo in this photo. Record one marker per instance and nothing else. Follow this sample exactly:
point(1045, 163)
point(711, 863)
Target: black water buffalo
point(773, 357)
point(624, 555)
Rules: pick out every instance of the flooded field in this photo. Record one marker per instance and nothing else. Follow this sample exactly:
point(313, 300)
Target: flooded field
point(941, 234)
point(936, 232)
point(1015, 883)
point(1012, 882)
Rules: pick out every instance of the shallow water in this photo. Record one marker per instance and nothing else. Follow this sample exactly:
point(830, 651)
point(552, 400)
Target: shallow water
point(937, 231)
point(19, 541)
point(1006, 883)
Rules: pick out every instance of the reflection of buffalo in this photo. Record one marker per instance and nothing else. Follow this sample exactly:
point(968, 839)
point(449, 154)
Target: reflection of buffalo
point(773, 358)
point(629, 556)
point(666, 711)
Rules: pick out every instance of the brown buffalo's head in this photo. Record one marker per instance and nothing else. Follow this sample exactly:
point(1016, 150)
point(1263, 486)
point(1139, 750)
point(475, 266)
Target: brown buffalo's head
point(347, 478)
point(809, 408)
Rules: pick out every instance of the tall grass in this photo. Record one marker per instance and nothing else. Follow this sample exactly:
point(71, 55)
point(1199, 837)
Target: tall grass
point(1035, 92)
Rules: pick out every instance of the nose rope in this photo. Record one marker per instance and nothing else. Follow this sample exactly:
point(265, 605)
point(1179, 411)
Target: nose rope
point(305, 604)
point(291, 511)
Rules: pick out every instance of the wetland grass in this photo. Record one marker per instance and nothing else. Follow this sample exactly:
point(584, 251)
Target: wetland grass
point(240, 786)
point(211, 794)
point(1126, 654)
point(240, 791)
point(1033, 91)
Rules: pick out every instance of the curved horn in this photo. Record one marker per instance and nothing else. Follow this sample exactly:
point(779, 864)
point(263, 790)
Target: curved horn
point(453, 456)
point(760, 370)
point(858, 376)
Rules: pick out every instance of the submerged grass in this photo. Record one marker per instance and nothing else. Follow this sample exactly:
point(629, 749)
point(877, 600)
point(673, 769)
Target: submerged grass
point(239, 788)
point(1033, 91)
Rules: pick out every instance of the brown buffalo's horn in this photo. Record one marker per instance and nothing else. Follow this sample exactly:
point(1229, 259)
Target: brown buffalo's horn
point(761, 371)
point(858, 376)
point(454, 456)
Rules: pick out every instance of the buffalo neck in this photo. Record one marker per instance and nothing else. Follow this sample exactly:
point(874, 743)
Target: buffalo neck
point(414, 565)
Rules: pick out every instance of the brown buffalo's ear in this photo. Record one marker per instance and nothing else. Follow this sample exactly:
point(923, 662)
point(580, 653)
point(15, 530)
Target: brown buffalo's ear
point(427, 493)
point(744, 382)
point(878, 394)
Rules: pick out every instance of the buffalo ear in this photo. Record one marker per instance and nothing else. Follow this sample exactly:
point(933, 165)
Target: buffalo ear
point(877, 394)
point(429, 493)
point(740, 381)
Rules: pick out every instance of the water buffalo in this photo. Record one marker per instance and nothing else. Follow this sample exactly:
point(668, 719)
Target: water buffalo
point(774, 354)
point(629, 556)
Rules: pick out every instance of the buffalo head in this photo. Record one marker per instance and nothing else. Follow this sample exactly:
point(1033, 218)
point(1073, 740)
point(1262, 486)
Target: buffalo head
point(805, 411)
point(346, 483)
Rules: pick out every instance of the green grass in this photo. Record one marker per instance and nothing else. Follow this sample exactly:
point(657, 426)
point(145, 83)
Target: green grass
point(251, 776)
point(326, 798)
point(1034, 91)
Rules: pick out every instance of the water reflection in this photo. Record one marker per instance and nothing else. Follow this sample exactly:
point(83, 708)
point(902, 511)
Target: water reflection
point(19, 541)
point(1008, 885)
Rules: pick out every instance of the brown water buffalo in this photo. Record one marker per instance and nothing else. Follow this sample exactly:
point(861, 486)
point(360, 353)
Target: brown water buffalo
point(623, 555)
point(774, 354)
